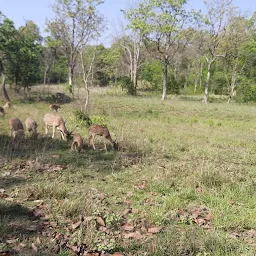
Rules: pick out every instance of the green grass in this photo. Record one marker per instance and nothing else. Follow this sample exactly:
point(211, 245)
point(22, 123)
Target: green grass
point(175, 156)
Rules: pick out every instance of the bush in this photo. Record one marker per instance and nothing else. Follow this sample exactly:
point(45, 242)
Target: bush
point(127, 84)
point(190, 90)
point(81, 116)
point(246, 93)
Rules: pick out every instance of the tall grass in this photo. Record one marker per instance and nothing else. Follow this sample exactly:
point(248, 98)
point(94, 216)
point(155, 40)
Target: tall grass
point(174, 155)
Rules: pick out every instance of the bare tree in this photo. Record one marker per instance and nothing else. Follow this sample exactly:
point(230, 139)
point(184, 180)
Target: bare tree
point(87, 71)
point(217, 19)
point(76, 22)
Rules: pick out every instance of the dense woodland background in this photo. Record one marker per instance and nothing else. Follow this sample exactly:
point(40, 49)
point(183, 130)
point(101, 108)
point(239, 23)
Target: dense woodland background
point(164, 48)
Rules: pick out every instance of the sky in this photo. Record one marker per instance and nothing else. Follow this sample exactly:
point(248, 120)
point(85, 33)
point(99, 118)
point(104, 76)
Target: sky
point(39, 10)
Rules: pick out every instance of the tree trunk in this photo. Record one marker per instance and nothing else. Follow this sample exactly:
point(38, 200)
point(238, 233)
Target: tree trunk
point(135, 78)
point(165, 80)
point(87, 97)
point(45, 74)
point(206, 89)
point(201, 75)
point(233, 81)
point(4, 88)
point(70, 78)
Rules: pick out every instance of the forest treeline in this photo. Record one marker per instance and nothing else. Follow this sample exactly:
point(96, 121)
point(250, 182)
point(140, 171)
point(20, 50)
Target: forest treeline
point(165, 47)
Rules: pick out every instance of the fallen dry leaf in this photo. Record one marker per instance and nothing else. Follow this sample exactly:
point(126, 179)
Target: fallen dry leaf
point(75, 248)
point(38, 212)
point(143, 185)
point(127, 227)
point(55, 156)
point(102, 196)
point(11, 241)
point(76, 225)
point(31, 228)
point(154, 230)
point(136, 235)
point(102, 229)
point(100, 221)
point(91, 254)
point(34, 248)
point(38, 241)
point(38, 201)
point(200, 221)
point(126, 211)
point(88, 219)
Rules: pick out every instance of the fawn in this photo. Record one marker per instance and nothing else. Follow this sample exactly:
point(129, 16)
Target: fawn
point(31, 126)
point(17, 131)
point(99, 130)
point(2, 111)
point(77, 143)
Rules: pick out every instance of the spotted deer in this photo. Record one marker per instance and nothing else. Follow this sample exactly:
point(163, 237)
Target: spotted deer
point(99, 130)
point(7, 105)
point(17, 130)
point(77, 143)
point(54, 107)
point(31, 126)
point(2, 111)
point(55, 121)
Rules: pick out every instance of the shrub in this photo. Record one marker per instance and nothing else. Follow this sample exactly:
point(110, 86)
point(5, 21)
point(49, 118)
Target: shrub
point(127, 84)
point(246, 93)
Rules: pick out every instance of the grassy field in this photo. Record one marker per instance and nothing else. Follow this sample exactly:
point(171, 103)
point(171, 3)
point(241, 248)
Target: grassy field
point(182, 183)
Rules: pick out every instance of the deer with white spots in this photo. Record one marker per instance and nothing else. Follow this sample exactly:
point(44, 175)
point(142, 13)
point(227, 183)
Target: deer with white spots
point(98, 130)
point(31, 126)
point(56, 122)
point(17, 131)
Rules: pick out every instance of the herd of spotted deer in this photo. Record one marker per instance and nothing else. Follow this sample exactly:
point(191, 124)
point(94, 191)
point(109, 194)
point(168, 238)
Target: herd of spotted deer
point(56, 122)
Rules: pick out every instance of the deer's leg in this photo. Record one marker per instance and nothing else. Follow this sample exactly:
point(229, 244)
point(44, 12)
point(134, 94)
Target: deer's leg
point(91, 141)
point(105, 142)
point(46, 129)
point(73, 145)
point(53, 131)
point(62, 135)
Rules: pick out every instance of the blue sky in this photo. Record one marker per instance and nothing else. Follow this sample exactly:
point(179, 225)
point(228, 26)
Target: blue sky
point(38, 10)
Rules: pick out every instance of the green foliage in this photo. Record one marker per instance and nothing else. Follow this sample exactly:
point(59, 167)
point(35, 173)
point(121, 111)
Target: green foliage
point(191, 90)
point(21, 52)
point(99, 120)
point(83, 117)
point(246, 93)
point(126, 84)
point(106, 64)
point(218, 81)
point(152, 71)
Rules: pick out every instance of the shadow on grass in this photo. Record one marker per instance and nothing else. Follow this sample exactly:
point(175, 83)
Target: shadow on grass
point(16, 223)
point(45, 152)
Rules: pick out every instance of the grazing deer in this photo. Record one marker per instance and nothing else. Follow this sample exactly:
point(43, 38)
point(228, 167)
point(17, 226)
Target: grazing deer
point(2, 111)
point(31, 126)
point(15, 124)
point(54, 107)
point(56, 122)
point(17, 130)
point(95, 130)
point(7, 104)
point(77, 143)
point(18, 136)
